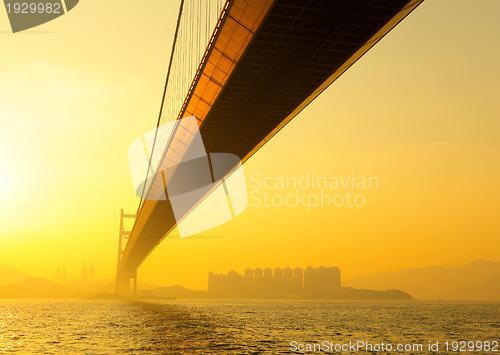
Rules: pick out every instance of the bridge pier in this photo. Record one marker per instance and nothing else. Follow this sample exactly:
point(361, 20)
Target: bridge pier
point(123, 285)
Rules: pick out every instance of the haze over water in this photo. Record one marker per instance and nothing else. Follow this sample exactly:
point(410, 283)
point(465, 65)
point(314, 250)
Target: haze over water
point(233, 327)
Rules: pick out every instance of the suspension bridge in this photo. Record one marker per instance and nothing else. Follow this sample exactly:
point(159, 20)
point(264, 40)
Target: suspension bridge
point(244, 69)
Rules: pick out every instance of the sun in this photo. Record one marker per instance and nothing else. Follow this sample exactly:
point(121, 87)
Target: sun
point(3, 184)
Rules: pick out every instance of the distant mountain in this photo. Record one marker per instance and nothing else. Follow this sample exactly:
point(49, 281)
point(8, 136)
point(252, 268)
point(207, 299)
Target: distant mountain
point(10, 275)
point(37, 287)
point(477, 280)
point(17, 284)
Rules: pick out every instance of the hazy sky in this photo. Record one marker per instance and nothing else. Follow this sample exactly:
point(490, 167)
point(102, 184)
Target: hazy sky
point(419, 112)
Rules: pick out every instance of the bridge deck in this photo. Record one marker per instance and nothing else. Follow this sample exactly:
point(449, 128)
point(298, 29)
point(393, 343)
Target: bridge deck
point(274, 58)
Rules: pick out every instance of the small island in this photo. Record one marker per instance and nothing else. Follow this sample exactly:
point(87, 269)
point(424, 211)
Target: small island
point(311, 283)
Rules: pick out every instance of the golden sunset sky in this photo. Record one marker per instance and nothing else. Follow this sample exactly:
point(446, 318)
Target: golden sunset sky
point(419, 112)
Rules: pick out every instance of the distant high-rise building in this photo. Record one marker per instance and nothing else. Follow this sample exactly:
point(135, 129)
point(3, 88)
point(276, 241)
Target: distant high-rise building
point(310, 281)
point(320, 287)
point(268, 273)
point(268, 283)
point(298, 281)
point(216, 285)
point(288, 281)
point(278, 288)
point(333, 281)
point(211, 288)
point(235, 285)
point(249, 283)
point(259, 283)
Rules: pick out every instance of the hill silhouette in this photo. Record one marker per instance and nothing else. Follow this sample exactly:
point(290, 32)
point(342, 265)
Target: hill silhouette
point(10, 275)
point(477, 280)
point(37, 287)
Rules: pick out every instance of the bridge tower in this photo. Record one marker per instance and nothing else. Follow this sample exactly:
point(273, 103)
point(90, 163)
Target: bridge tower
point(61, 275)
point(122, 283)
point(89, 272)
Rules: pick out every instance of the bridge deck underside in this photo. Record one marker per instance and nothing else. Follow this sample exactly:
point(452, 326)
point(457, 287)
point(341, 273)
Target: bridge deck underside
point(298, 50)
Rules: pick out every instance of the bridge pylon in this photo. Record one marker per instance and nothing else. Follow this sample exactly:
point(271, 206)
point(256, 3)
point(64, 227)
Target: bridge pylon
point(122, 282)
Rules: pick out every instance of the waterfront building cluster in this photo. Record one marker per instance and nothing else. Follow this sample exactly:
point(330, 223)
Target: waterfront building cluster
point(321, 282)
